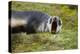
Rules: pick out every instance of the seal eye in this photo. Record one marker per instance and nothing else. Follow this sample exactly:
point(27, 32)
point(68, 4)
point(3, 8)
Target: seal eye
point(50, 21)
point(59, 22)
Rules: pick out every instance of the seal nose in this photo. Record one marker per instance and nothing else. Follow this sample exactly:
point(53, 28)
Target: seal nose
point(53, 32)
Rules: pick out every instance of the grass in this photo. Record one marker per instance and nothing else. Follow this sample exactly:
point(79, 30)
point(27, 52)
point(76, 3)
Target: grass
point(66, 39)
point(22, 42)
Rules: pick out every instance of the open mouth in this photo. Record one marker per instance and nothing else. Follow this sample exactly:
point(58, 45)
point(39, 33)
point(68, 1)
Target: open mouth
point(54, 27)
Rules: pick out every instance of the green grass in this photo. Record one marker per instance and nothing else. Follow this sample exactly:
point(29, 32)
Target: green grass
point(66, 39)
point(22, 42)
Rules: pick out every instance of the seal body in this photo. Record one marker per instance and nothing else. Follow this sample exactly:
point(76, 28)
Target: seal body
point(33, 21)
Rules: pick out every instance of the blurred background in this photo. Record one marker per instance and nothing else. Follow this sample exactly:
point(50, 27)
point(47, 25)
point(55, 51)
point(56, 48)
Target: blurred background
point(66, 39)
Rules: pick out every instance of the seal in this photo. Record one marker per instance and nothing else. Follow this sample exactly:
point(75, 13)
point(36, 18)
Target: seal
point(34, 21)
